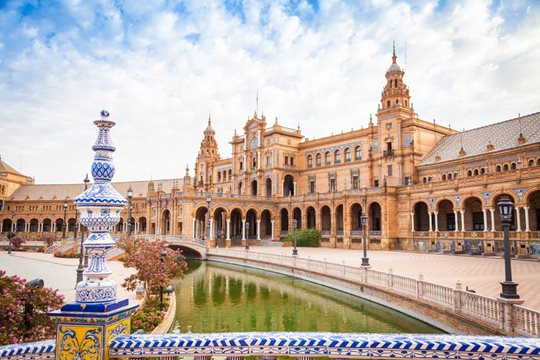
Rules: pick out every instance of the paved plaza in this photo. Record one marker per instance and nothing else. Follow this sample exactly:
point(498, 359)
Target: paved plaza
point(481, 274)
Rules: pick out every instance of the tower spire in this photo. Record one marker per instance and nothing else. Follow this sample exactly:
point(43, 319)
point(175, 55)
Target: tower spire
point(209, 119)
point(394, 57)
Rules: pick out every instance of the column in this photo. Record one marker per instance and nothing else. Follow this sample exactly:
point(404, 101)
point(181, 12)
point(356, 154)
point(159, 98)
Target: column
point(485, 219)
point(243, 229)
point(258, 229)
point(518, 219)
point(462, 212)
point(211, 235)
point(13, 226)
point(430, 226)
point(272, 225)
point(526, 218)
point(412, 221)
point(294, 188)
point(228, 229)
point(40, 227)
point(456, 219)
point(436, 220)
point(492, 211)
point(194, 228)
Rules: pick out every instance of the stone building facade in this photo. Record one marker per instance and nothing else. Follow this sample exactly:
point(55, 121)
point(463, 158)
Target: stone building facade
point(423, 186)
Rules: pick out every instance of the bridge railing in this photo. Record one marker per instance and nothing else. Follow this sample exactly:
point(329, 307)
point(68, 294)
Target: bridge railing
point(485, 309)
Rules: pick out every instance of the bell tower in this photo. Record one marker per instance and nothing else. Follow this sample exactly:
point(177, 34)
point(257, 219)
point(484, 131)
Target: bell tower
point(395, 96)
point(208, 155)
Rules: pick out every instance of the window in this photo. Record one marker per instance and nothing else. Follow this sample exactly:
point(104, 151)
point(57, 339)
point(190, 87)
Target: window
point(267, 160)
point(333, 184)
point(469, 172)
point(531, 163)
point(347, 155)
point(475, 172)
point(311, 187)
point(443, 177)
point(286, 160)
point(327, 158)
point(505, 167)
point(357, 153)
point(254, 162)
point(390, 170)
point(376, 145)
point(219, 176)
point(309, 161)
point(406, 140)
point(513, 166)
point(498, 168)
point(388, 104)
point(407, 180)
point(241, 165)
point(450, 221)
point(337, 157)
point(478, 220)
point(450, 176)
point(355, 182)
point(292, 161)
point(318, 160)
point(376, 183)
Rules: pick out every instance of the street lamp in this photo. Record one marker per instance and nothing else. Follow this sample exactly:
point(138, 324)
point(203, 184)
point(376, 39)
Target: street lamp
point(295, 250)
point(64, 227)
point(130, 196)
point(81, 267)
point(208, 201)
point(509, 288)
point(162, 259)
point(363, 221)
point(247, 235)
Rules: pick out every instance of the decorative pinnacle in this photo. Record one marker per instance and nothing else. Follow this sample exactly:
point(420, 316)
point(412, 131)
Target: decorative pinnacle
point(394, 57)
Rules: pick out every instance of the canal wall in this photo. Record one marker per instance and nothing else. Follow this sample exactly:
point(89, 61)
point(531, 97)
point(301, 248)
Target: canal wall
point(442, 317)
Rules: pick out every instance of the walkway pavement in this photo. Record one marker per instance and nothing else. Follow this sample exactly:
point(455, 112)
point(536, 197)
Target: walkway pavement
point(59, 273)
point(481, 274)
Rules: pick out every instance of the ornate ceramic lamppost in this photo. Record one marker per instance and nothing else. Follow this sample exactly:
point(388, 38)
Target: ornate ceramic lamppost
point(130, 197)
point(363, 221)
point(295, 250)
point(96, 316)
point(509, 288)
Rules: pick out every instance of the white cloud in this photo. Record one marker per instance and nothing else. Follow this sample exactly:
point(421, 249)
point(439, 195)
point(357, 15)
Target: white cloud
point(467, 64)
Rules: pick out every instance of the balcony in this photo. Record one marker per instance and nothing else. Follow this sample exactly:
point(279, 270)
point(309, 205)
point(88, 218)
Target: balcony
point(388, 153)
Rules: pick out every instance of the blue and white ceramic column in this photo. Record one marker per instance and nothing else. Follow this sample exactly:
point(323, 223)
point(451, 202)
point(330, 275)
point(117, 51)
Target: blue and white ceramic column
point(86, 326)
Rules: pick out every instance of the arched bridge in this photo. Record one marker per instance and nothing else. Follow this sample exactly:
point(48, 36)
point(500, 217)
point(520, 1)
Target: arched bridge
point(191, 247)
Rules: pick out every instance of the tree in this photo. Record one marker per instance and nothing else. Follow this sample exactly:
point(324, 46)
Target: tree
point(23, 310)
point(17, 241)
point(154, 270)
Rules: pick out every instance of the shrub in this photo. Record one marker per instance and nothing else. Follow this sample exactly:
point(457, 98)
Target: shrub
point(70, 255)
point(47, 239)
point(17, 241)
point(148, 316)
point(305, 238)
point(10, 235)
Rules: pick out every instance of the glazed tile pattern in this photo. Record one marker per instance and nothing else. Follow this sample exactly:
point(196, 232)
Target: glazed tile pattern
point(30, 351)
point(333, 345)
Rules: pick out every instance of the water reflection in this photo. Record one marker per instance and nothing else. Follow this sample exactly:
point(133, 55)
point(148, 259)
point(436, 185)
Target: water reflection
point(217, 297)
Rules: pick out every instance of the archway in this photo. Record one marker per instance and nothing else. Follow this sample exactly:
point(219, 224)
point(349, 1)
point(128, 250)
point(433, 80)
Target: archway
point(533, 202)
point(236, 224)
point(311, 217)
point(34, 225)
point(497, 218)
point(6, 225)
point(142, 224)
point(251, 224)
point(58, 224)
point(474, 217)
point(266, 224)
point(446, 217)
point(356, 223)
point(284, 217)
point(268, 187)
point(120, 225)
point(326, 220)
point(297, 215)
point(72, 223)
point(375, 215)
point(339, 221)
point(166, 222)
point(220, 226)
point(254, 188)
point(288, 185)
point(20, 225)
point(421, 216)
point(47, 225)
point(201, 216)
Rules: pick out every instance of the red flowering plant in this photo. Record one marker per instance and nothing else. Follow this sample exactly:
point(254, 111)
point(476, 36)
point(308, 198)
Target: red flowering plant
point(153, 269)
point(23, 310)
point(17, 241)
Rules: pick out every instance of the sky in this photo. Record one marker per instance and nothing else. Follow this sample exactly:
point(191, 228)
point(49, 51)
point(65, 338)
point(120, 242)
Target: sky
point(161, 67)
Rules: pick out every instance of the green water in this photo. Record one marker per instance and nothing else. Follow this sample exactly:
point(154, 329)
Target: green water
point(216, 297)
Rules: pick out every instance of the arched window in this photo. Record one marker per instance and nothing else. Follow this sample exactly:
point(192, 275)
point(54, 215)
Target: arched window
point(424, 180)
point(388, 103)
point(347, 154)
point(469, 172)
point(505, 167)
point(327, 158)
point(498, 168)
point(230, 174)
point(444, 177)
point(254, 162)
point(337, 157)
point(531, 162)
point(310, 161)
point(357, 153)
point(513, 166)
point(482, 171)
point(318, 159)
point(538, 162)
point(475, 172)
point(395, 83)
point(450, 176)
point(219, 176)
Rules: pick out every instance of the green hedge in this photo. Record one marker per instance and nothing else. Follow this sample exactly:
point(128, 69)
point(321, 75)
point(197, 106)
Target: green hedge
point(305, 237)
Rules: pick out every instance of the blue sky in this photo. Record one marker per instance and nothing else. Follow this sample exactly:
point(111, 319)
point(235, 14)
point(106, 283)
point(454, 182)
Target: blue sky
point(160, 67)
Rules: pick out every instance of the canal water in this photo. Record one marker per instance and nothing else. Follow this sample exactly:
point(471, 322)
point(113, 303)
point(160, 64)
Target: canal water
point(215, 297)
